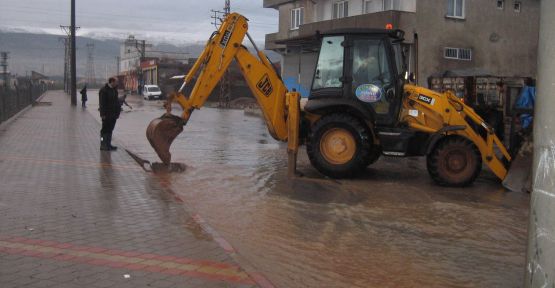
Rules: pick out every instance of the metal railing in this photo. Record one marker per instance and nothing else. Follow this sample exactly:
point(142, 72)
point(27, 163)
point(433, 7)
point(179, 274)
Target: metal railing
point(15, 99)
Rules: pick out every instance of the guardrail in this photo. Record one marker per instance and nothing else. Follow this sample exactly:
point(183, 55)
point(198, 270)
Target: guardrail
point(15, 99)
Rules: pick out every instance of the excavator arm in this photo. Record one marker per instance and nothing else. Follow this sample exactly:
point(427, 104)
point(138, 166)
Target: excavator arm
point(281, 109)
point(445, 114)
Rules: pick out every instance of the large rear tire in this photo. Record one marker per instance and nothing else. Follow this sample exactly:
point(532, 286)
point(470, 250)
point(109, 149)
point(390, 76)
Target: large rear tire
point(455, 162)
point(339, 146)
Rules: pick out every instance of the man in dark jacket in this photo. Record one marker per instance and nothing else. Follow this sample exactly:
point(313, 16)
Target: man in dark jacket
point(109, 112)
point(84, 97)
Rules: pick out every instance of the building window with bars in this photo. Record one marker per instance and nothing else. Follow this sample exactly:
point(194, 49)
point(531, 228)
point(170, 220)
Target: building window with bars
point(297, 18)
point(455, 9)
point(500, 4)
point(340, 9)
point(457, 53)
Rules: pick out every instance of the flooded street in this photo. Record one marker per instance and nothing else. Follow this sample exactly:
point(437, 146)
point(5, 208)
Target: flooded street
point(393, 227)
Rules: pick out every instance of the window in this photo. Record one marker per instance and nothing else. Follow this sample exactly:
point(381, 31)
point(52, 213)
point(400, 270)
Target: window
point(500, 4)
point(329, 69)
point(457, 53)
point(372, 6)
point(371, 73)
point(465, 54)
point(517, 5)
point(455, 8)
point(340, 9)
point(451, 53)
point(297, 18)
point(391, 5)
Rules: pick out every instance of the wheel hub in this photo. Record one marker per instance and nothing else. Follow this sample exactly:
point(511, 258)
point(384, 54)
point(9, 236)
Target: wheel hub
point(338, 146)
point(456, 161)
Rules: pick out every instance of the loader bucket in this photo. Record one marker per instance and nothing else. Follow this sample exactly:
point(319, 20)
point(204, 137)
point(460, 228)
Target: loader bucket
point(161, 132)
point(519, 176)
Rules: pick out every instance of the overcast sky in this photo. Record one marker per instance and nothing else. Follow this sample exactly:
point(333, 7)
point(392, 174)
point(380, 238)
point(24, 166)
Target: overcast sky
point(177, 21)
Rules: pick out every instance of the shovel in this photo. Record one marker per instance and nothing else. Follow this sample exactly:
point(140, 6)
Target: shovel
point(161, 132)
point(519, 177)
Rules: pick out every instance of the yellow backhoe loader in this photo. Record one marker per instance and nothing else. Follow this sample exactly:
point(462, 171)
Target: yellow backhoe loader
point(360, 107)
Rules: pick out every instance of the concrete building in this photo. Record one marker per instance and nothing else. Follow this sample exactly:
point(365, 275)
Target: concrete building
point(456, 37)
point(133, 51)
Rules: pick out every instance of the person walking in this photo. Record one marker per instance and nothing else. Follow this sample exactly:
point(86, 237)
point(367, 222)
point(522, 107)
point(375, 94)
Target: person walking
point(110, 109)
point(84, 97)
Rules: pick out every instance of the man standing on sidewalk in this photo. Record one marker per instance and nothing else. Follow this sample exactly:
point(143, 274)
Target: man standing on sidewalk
point(109, 112)
point(84, 96)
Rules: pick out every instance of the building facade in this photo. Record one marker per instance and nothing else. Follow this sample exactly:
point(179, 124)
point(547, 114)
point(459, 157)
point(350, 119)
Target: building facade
point(455, 37)
point(134, 52)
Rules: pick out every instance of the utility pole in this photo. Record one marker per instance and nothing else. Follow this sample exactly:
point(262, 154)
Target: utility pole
point(227, 7)
point(117, 65)
point(225, 82)
point(217, 20)
point(73, 57)
point(5, 72)
point(66, 61)
point(67, 58)
point(540, 264)
point(140, 47)
point(91, 77)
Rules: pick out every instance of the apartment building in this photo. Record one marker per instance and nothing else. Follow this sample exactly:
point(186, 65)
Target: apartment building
point(133, 52)
point(454, 37)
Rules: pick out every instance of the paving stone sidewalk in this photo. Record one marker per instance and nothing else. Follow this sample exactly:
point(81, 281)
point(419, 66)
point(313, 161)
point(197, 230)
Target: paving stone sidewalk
point(73, 216)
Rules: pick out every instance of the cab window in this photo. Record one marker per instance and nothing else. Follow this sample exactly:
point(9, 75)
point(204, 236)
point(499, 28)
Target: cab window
point(329, 69)
point(371, 73)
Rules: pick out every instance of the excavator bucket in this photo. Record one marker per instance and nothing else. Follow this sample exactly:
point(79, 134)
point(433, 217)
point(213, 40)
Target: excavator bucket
point(518, 177)
point(161, 132)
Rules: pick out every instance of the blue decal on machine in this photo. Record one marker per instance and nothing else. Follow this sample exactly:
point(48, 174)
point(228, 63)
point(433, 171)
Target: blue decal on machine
point(369, 93)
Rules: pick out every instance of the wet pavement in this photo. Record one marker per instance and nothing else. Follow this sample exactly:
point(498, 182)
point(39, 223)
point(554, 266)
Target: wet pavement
point(393, 227)
point(74, 216)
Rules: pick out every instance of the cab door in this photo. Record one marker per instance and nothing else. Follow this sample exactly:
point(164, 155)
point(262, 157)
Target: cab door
point(370, 64)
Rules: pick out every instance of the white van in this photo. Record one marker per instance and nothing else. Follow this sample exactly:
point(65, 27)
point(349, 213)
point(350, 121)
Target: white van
point(151, 92)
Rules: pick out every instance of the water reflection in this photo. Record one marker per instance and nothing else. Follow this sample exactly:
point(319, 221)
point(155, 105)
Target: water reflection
point(392, 227)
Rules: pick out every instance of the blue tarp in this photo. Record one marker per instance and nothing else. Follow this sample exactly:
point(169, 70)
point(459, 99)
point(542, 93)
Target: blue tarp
point(526, 99)
point(291, 83)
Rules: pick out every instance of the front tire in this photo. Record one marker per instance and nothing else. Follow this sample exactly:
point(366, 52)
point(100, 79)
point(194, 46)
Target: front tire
point(455, 162)
point(339, 146)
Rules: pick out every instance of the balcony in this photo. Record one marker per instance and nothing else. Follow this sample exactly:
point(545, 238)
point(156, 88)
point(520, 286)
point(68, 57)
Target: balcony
point(270, 42)
point(378, 20)
point(275, 3)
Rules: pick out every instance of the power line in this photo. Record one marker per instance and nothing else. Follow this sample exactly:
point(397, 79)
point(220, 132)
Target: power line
point(73, 57)
point(67, 58)
point(225, 83)
point(66, 63)
point(90, 75)
point(117, 65)
point(4, 65)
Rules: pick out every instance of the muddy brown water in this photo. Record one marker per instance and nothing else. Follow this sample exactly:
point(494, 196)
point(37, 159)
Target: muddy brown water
point(392, 227)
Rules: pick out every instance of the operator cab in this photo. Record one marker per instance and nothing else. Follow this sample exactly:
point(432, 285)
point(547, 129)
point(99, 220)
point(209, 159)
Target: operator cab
point(357, 92)
point(360, 69)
